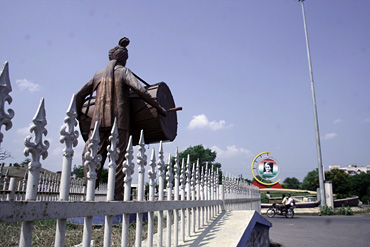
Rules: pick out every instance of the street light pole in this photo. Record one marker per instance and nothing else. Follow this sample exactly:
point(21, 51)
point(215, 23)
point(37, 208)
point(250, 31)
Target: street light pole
point(318, 146)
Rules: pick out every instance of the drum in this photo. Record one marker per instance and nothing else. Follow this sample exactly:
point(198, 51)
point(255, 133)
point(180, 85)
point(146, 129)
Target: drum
point(143, 116)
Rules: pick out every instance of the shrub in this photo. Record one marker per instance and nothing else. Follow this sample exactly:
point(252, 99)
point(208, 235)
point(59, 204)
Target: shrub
point(264, 198)
point(326, 210)
point(344, 210)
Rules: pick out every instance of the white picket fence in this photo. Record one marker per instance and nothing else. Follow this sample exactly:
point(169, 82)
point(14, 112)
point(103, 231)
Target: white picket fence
point(192, 198)
point(14, 187)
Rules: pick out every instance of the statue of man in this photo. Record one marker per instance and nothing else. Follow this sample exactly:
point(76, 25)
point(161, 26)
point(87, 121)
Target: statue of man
point(112, 85)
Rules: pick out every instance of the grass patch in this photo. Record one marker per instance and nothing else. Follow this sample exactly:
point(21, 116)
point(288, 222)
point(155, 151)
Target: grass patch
point(326, 210)
point(44, 234)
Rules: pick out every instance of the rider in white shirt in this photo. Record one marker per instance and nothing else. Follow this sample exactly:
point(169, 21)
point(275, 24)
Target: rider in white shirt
point(289, 202)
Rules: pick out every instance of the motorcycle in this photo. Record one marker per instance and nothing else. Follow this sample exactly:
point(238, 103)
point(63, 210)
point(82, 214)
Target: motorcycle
point(277, 210)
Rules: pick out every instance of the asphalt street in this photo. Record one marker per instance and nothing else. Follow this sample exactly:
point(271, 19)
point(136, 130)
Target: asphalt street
point(316, 231)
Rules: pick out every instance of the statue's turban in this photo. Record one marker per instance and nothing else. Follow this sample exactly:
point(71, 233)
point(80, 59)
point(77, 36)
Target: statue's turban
point(120, 52)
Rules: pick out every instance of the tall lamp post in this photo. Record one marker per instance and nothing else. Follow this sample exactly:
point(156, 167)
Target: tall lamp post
point(318, 146)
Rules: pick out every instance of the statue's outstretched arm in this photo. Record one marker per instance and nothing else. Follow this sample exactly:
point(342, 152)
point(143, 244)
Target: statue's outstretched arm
point(135, 85)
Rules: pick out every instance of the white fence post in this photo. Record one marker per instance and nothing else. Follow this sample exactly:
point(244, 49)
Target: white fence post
point(202, 196)
point(38, 149)
point(206, 195)
point(176, 198)
point(215, 184)
point(193, 199)
point(160, 166)
point(69, 137)
point(141, 161)
point(12, 186)
point(152, 176)
point(188, 195)
point(209, 194)
point(5, 184)
point(182, 188)
point(92, 162)
point(112, 153)
point(197, 189)
point(128, 170)
point(169, 177)
point(212, 191)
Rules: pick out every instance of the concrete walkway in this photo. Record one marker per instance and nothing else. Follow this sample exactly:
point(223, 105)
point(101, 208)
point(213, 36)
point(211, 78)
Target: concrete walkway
point(225, 230)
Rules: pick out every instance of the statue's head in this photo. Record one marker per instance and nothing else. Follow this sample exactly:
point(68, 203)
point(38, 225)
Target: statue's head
point(120, 52)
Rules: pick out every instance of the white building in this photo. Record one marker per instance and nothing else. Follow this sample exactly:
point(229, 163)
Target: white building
point(351, 169)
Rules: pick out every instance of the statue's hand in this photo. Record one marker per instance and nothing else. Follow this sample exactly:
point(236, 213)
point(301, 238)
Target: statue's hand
point(162, 111)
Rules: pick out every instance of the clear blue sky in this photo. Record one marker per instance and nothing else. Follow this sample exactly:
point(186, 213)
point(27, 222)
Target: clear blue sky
point(238, 68)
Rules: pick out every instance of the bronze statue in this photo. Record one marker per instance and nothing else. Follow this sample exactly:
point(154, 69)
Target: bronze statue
point(112, 87)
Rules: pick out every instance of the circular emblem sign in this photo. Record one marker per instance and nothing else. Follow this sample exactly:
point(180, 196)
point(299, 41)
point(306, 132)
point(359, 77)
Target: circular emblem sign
point(266, 167)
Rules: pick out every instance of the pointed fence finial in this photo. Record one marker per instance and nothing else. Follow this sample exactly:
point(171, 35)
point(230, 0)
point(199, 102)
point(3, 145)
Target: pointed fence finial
point(36, 147)
point(113, 150)
point(92, 157)
point(5, 89)
point(176, 172)
point(169, 174)
point(152, 175)
point(182, 176)
point(197, 175)
point(68, 134)
point(188, 172)
point(128, 169)
point(176, 167)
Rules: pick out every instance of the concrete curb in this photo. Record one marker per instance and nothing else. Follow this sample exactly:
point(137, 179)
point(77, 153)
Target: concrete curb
point(317, 210)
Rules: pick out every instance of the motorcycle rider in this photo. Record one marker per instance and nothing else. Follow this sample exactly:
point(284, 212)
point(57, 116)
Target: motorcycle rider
point(289, 202)
point(283, 201)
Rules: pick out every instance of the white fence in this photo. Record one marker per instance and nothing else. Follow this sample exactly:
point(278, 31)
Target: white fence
point(14, 187)
point(193, 196)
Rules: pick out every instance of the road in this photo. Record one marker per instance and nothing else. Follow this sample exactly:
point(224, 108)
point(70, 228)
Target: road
point(316, 231)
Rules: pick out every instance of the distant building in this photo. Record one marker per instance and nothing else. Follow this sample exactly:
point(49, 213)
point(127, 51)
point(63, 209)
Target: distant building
point(351, 169)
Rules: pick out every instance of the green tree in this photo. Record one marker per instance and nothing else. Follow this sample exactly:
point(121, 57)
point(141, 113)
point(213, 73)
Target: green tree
point(25, 162)
point(78, 171)
point(311, 181)
point(245, 179)
point(360, 186)
point(339, 179)
point(104, 176)
point(203, 154)
point(291, 183)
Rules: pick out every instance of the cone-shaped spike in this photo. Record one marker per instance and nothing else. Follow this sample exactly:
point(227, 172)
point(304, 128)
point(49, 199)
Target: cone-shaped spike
point(4, 78)
point(141, 140)
point(152, 156)
point(160, 147)
point(40, 115)
point(95, 135)
point(129, 145)
point(114, 131)
point(72, 105)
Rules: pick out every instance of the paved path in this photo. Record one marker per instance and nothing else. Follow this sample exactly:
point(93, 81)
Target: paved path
point(225, 230)
point(317, 231)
